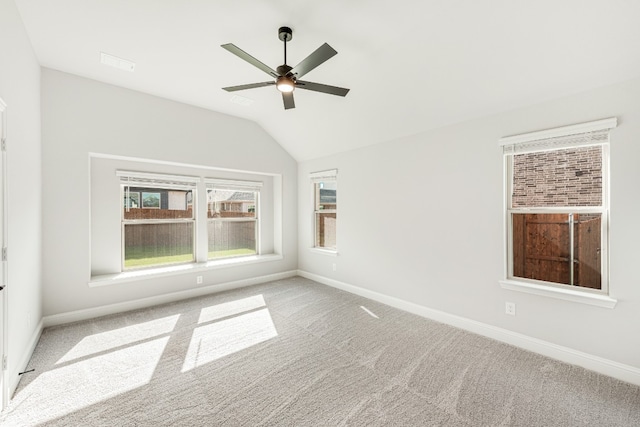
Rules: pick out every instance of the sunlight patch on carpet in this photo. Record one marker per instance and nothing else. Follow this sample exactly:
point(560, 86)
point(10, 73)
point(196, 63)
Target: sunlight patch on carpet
point(369, 312)
point(216, 340)
point(104, 341)
point(231, 308)
point(85, 383)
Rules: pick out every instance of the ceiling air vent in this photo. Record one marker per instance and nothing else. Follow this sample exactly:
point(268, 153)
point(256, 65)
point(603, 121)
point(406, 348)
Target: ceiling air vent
point(115, 62)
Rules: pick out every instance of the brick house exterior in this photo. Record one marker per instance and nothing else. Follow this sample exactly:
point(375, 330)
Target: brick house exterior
point(569, 177)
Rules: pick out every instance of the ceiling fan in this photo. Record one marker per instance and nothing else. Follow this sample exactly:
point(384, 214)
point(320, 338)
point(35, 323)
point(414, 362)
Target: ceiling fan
point(286, 77)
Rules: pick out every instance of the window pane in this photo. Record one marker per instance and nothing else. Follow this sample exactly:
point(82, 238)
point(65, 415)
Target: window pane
point(157, 244)
point(157, 203)
point(326, 199)
point(326, 195)
point(231, 204)
point(568, 177)
point(231, 238)
point(326, 230)
point(227, 235)
point(542, 248)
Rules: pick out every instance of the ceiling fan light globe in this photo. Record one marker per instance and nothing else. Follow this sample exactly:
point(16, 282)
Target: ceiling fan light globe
point(285, 85)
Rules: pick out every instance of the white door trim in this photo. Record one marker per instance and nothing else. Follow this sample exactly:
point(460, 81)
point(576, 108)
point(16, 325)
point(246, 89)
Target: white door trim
point(4, 350)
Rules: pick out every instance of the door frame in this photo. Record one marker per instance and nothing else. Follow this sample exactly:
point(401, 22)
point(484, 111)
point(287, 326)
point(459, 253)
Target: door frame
point(4, 304)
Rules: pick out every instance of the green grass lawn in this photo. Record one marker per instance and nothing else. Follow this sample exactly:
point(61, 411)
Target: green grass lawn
point(136, 257)
point(231, 252)
point(141, 258)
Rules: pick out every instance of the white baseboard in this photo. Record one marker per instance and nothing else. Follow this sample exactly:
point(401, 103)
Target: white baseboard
point(14, 378)
point(91, 313)
point(601, 365)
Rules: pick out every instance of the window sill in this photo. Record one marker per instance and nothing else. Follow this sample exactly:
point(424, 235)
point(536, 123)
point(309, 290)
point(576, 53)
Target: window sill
point(174, 270)
point(564, 294)
point(328, 252)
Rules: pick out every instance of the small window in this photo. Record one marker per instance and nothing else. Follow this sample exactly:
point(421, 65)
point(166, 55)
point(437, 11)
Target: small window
point(557, 209)
point(232, 218)
point(158, 220)
point(325, 190)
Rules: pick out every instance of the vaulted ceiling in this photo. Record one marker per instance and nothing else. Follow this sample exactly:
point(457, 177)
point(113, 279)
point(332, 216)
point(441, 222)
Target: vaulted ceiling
point(411, 65)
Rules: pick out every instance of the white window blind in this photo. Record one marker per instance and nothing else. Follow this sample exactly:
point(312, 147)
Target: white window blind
point(580, 135)
point(144, 179)
point(323, 175)
point(237, 185)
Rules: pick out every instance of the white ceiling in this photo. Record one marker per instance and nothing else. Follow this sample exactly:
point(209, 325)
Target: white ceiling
point(411, 65)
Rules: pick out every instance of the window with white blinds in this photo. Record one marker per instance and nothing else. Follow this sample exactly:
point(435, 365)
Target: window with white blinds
point(557, 206)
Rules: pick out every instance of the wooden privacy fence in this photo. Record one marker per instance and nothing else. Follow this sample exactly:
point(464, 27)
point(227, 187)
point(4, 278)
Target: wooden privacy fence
point(542, 248)
point(148, 213)
point(230, 235)
point(153, 236)
point(326, 230)
point(231, 214)
point(222, 236)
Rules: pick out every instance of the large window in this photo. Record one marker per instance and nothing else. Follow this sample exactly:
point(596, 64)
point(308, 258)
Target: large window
point(232, 218)
point(158, 219)
point(557, 206)
point(325, 190)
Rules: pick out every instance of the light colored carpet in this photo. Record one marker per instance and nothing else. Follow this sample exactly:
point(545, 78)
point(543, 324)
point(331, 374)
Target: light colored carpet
point(297, 353)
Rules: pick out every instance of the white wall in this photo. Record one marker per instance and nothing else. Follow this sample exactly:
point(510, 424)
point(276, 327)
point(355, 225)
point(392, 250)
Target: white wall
point(81, 116)
point(20, 89)
point(420, 219)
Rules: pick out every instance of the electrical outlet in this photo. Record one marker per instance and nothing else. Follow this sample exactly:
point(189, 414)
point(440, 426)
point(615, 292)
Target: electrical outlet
point(510, 308)
point(198, 280)
point(334, 266)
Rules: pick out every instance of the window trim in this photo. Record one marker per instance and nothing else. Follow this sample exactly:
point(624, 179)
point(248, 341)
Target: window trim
point(509, 145)
point(581, 296)
point(315, 178)
point(178, 269)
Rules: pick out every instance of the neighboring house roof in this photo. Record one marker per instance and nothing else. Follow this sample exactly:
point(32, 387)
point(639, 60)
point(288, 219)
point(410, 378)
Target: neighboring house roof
point(242, 196)
point(230, 195)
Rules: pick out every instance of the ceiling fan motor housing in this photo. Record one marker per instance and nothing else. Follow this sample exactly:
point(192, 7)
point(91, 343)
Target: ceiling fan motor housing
point(285, 34)
point(284, 69)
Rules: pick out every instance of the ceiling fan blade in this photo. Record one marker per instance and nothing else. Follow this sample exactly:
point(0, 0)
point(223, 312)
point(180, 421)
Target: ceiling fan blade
point(250, 59)
point(248, 86)
point(320, 55)
point(287, 99)
point(318, 87)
